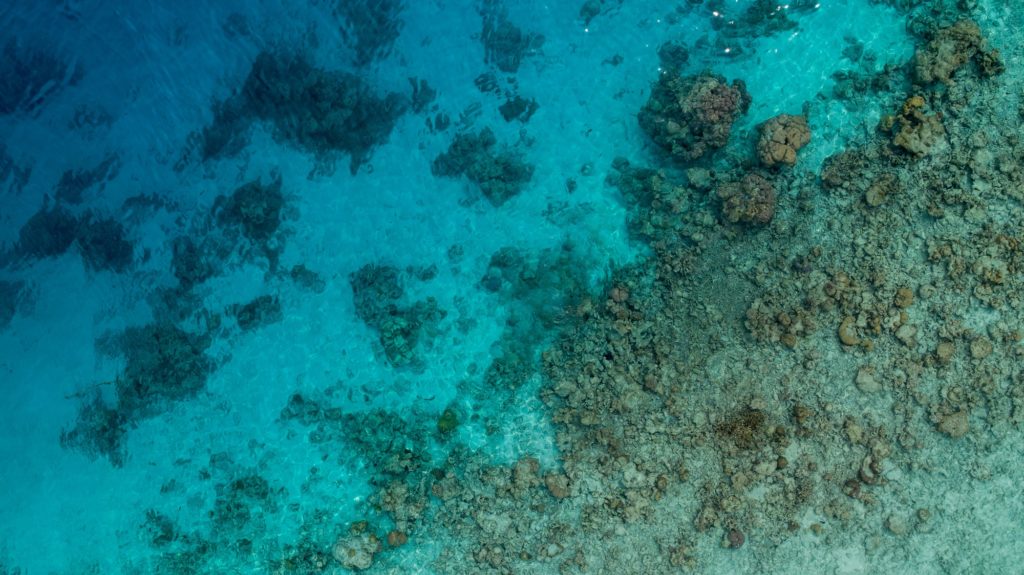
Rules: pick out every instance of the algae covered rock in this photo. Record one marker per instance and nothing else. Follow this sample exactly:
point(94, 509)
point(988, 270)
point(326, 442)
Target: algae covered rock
point(781, 138)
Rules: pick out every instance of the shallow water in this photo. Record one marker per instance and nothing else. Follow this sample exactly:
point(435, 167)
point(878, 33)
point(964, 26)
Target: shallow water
point(352, 285)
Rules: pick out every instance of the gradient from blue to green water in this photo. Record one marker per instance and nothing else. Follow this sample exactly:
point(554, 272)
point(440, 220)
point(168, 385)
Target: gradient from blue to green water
point(155, 69)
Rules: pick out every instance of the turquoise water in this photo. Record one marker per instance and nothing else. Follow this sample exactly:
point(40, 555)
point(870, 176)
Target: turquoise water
point(511, 287)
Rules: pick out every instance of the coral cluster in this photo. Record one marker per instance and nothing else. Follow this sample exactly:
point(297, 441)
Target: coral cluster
point(691, 116)
point(164, 365)
point(11, 293)
point(370, 27)
point(30, 75)
point(913, 130)
point(320, 111)
point(950, 49)
point(102, 241)
point(781, 138)
point(402, 327)
point(254, 207)
point(505, 44)
point(498, 171)
point(74, 183)
point(751, 200)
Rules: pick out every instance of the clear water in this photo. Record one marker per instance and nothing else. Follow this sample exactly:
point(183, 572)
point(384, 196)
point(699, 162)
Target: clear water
point(151, 77)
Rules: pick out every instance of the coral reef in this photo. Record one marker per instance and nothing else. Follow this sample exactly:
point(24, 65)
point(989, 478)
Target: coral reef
point(236, 502)
point(692, 116)
point(164, 364)
point(448, 422)
point(355, 551)
point(13, 177)
point(103, 244)
point(102, 241)
point(190, 263)
point(505, 44)
point(263, 310)
point(751, 200)
point(755, 19)
point(422, 94)
point(781, 138)
point(639, 429)
point(950, 49)
point(518, 108)
point(729, 390)
point(247, 222)
point(370, 27)
point(590, 9)
point(74, 183)
point(48, 233)
point(914, 131)
point(316, 110)
point(307, 278)
point(375, 292)
point(98, 432)
point(11, 293)
point(29, 76)
point(402, 328)
point(254, 207)
point(656, 204)
point(499, 172)
point(673, 56)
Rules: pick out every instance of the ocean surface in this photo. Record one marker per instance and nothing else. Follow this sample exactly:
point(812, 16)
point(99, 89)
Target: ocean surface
point(460, 287)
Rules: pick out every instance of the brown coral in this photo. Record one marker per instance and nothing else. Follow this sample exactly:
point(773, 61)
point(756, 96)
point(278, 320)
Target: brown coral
point(913, 130)
point(781, 138)
point(750, 200)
